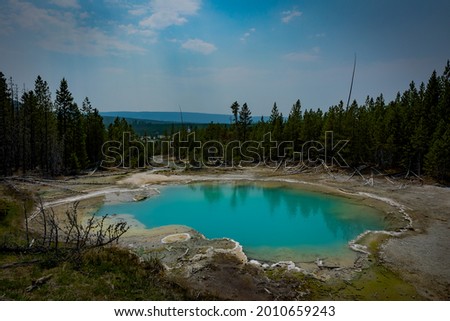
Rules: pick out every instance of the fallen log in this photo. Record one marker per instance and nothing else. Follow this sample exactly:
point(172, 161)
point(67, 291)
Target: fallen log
point(38, 283)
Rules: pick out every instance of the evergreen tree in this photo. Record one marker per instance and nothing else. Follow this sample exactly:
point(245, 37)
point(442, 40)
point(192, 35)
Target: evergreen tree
point(274, 114)
point(48, 139)
point(95, 132)
point(276, 123)
point(245, 120)
point(431, 103)
point(70, 129)
point(64, 108)
point(6, 121)
point(292, 129)
point(276, 130)
point(443, 110)
point(29, 124)
point(235, 110)
point(14, 126)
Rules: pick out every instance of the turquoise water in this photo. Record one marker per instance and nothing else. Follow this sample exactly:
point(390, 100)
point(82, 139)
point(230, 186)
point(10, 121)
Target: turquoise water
point(271, 223)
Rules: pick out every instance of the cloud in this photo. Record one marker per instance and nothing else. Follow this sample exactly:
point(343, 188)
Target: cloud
point(88, 42)
point(149, 34)
point(199, 46)
point(66, 3)
point(158, 15)
point(246, 35)
point(138, 11)
point(290, 14)
point(166, 13)
point(59, 31)
point(303, 56)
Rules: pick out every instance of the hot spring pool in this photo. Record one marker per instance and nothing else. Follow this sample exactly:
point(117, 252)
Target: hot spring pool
point(271, 223)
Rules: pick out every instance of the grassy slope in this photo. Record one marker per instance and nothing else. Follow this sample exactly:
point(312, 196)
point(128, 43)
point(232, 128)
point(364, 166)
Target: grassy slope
point(101, 274)
point(106, 274)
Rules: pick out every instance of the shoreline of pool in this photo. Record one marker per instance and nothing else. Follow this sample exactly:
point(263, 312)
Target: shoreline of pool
point(150, 187)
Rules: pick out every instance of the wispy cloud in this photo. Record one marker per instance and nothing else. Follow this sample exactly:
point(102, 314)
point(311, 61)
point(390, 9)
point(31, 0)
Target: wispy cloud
point(88, 42)
point(58, 30)
point(138, 11)
point(166, 13)
point(66, 3)
point(289, 15)
point(150, 36)
point(303, 56)
point(247, 34)
point(199, 46)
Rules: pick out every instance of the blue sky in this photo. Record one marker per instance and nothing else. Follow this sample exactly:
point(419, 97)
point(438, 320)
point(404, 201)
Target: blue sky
point(153, 55)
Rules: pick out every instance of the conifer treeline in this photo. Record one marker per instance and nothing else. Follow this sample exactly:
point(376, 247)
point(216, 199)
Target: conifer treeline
point(53, 138)
point(410, 133)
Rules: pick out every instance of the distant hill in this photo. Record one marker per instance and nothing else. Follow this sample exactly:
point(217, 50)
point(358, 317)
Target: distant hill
point(145, 127)
point(172, 117)
point(175, 117)
point(156, 123)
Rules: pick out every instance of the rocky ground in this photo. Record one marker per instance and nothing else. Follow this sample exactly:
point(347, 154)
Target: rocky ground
point(418, 253)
